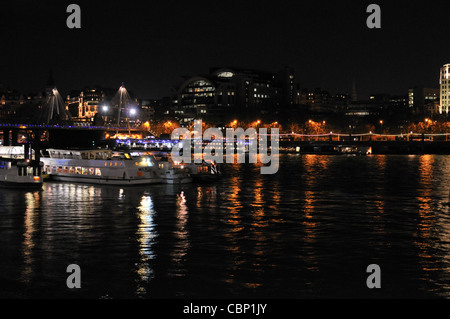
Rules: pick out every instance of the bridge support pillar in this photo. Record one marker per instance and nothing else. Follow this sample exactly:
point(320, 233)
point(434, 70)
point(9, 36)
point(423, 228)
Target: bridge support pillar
point(7, 137)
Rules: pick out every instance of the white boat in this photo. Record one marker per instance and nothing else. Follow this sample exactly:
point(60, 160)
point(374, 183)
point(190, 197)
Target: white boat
point(170, 173)
point(105, 167)
point(18, 170)
point(205, 171)
point(173, 175)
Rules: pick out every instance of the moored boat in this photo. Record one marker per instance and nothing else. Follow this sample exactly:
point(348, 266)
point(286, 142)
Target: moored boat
point(205, 171)
point(105, 167)
point(170, 172)
point(20, 170)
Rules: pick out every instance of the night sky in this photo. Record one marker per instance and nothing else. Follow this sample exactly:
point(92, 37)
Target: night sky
point(150, 44)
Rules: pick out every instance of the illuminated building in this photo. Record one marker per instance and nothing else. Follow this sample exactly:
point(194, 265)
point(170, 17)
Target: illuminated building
point(421, 99)
point(193, 98)
point(84, 104)
point(444, 82)
point(233, 91)
point(286, 78)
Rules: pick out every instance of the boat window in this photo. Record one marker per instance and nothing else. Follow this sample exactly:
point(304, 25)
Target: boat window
point(59, 170)
point(66, 170)
point(146, 161)
point(78, 170)
point(91, 171)
point(84, 170)
point(72, 170)
point(98, 172)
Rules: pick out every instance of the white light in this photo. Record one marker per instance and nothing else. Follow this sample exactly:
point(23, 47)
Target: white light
point(105, 108)
point(133, 112)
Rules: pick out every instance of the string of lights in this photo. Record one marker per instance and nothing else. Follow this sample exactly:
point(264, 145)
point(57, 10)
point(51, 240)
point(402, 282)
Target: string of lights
point(359, 134)
point(54, 126)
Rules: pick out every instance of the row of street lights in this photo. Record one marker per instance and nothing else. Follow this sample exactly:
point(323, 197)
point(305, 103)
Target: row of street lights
point(131, 111)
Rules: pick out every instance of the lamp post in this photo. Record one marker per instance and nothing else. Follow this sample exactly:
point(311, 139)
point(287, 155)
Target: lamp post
point(105, 111)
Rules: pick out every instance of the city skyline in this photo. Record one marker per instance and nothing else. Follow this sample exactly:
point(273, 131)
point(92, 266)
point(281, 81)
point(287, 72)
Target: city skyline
point(150, 46)
point(224, 157)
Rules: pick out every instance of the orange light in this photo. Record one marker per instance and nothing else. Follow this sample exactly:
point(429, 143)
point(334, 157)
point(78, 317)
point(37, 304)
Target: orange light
point(36, 178)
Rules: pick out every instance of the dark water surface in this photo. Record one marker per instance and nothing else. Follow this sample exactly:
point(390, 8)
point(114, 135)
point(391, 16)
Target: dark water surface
point(309, 231)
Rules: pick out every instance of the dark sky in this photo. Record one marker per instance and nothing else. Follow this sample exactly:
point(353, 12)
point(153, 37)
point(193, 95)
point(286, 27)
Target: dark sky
point(150, 44)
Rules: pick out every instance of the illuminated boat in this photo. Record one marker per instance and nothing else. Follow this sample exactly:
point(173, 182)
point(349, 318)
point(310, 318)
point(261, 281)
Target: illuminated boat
point(18, 170)
point(205, 171)
point(104, 167)
point(170, 172)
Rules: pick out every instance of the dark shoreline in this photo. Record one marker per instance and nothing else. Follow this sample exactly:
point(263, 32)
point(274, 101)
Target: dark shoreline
point(378, 147)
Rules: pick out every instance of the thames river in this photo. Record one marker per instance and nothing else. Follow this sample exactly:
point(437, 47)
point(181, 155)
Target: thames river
point(308, 231)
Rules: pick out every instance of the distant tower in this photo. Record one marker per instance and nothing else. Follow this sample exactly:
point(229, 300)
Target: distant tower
point(53, 107)
point(50, 84)
point(354, 95)
point(122, 102)
point(444, 82)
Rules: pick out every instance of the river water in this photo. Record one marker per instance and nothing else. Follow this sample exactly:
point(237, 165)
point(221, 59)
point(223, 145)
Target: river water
point(308, 231)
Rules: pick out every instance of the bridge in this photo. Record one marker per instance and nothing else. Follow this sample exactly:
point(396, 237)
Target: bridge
point(61, 135)
point(55, 127)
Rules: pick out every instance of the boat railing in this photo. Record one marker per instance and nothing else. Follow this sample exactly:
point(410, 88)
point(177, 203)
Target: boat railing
point(89, 154)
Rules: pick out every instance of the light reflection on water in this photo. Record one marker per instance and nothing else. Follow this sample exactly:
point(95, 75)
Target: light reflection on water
point(146, 236)
point(308, 231)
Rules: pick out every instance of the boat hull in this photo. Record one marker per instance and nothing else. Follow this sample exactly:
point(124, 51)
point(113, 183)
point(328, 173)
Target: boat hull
point(104, 181)
point(205, 177)
point(177, 180)
point(20, 185)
